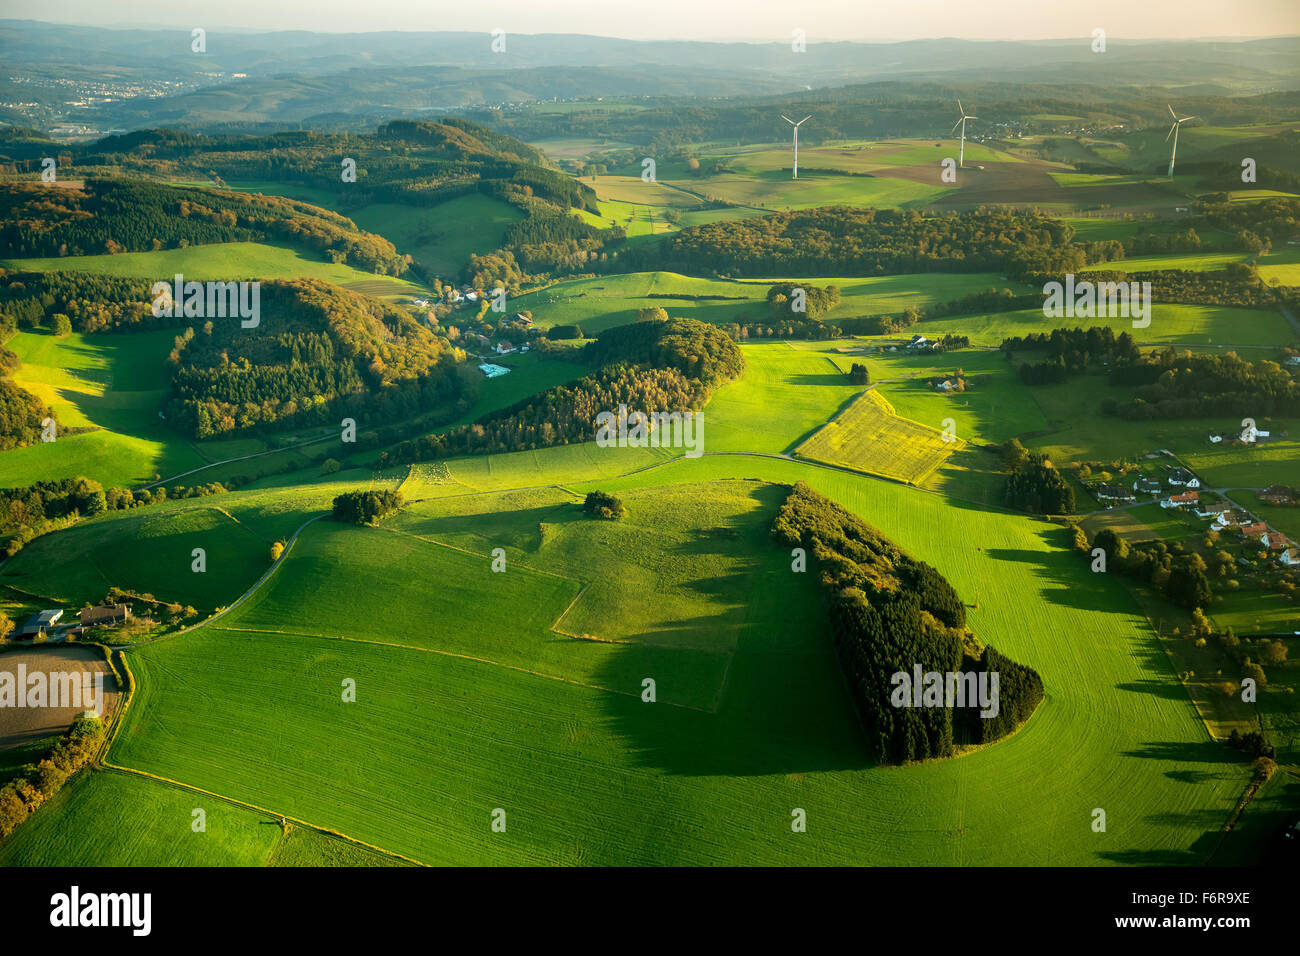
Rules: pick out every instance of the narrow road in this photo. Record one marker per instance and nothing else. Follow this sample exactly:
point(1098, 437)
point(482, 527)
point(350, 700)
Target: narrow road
point(238, 601)
point(227, 461)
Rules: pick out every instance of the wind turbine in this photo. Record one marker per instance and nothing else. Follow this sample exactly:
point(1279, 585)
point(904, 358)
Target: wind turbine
point(961, 152)
point(796, 139)
point(1173, 131)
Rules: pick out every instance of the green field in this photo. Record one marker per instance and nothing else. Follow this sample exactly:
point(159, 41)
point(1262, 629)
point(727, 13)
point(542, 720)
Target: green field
point(607, 301)
point(1190, 262)
point(1171, 323)
point(1282, 267)
point(870, 436)
point(113, 383)
point(556, 755)
point(147, 550)
point(224, 261)
point(103, 818)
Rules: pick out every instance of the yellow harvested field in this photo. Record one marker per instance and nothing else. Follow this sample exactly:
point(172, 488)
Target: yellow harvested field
point(871, 437)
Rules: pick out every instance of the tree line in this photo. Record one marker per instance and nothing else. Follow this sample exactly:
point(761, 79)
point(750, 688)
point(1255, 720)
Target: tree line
point(671, 365)
point(114, 216)
point(890, 613)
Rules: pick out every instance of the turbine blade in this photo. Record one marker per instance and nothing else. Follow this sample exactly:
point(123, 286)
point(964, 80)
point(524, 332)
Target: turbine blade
point(1171, 132)
point(959, 109)
point(787, 119)
point(954, 127)
point(805, 119)
point(1171, 111)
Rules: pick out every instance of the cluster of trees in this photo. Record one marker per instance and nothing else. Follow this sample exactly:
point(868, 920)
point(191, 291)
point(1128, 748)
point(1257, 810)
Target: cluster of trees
point(322, 354)
point(112, 216)
point(1194, 385)
point(671, 365)
point(817, 301)
point(21, 415)
point(890, 613)
point(853, 241)
point(1071, 352)
point(25, 794)
point(367, 507)
point(1237, 284)
point(27, 513)
point(698, 350)
point(598, 504)
point(1253, 225)
point(92, 303)
point(1181, 578)
point(1034, 485)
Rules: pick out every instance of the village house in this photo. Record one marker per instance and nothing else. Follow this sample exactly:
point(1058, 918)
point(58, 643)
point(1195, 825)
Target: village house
point(1114, 493)
point(1273, 540)
point(1180, 477)
point(1231, 519)
point(1180, 501)
point(1211, 511)
point(944, 386)
point(504, 348)
point(1277, 494)
point(1147, 486)
point(1290, 557)
point(1253, 530)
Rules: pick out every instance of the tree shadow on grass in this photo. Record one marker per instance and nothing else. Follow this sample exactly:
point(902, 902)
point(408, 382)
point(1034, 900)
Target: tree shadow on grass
point(780, 706)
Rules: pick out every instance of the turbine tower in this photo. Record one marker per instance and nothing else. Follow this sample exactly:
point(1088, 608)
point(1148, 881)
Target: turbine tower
point(961, 152)
point(796, 139)
point(1173, 131)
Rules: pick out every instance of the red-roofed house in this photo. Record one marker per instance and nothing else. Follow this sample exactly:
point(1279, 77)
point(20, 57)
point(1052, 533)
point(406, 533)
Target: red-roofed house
point(1273, 540)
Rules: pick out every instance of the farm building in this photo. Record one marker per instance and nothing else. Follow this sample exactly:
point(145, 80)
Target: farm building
point(944, 386)
point(504, 348)
point(1215, 438)
point(1182, 478)
point(493, 371)
point(1146, 486)
point(1277, 494)
point(40, 622)
point(104, 614)
point(1114, 493)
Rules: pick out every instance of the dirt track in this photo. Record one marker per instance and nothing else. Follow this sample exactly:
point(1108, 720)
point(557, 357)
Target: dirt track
point(19, 725)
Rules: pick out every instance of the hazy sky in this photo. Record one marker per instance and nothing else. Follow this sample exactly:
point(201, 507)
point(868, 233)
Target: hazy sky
point(701, 19)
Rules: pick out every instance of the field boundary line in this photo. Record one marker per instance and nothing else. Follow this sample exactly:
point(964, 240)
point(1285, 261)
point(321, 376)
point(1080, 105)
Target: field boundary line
point(472, 554)
point(261, 810)
point(463, 657)
point(239, 600)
